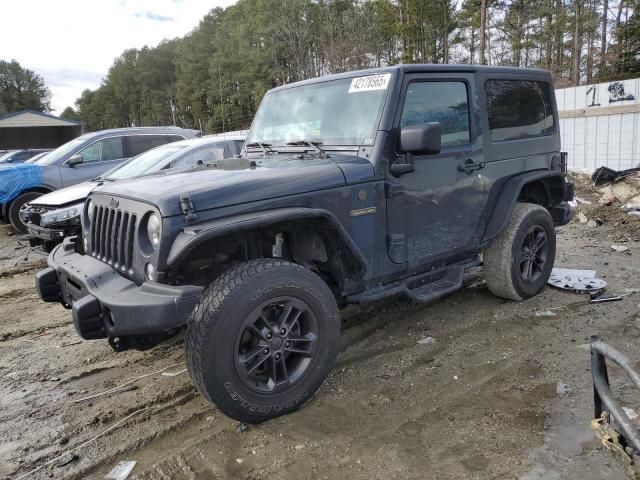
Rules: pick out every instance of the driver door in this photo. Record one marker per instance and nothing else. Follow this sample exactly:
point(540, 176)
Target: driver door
point(435, 211)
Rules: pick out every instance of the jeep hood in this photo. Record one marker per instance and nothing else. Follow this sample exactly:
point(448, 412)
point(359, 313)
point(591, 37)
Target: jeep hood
point(238, 181)
point(66, 196)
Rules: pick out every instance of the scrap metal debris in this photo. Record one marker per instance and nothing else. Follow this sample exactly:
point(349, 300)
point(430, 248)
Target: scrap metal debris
point(599, 297)
point(121, 471)
point(578, 281)
point(425, 340)
point(611, 423)
point(619, 248)
point(605, 176)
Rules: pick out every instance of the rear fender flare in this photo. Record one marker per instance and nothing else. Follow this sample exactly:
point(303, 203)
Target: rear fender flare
point(509, 193)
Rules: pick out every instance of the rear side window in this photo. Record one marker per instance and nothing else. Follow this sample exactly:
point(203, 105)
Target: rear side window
point(443, 102)
point(103, 150)
point(518, 109)
point(137, 144)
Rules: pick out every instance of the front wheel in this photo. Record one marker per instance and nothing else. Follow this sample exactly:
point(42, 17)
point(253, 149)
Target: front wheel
point(518, 262)
point(14, 210)
point(263, 339)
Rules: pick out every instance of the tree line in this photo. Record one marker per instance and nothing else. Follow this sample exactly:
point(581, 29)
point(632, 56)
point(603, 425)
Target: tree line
point(214, 77)
point(22, 89)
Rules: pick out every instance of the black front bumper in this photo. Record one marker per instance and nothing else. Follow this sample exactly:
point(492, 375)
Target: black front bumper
point(106, 305)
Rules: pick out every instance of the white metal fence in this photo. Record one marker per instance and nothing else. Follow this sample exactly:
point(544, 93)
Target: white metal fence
point(600, 124)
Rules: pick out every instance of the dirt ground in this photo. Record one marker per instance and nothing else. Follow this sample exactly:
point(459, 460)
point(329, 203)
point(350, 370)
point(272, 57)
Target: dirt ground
point(503, 391)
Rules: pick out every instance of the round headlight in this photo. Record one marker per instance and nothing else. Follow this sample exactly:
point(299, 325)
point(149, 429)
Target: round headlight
point(90, 211)
point(151, 272)
point(154, 228)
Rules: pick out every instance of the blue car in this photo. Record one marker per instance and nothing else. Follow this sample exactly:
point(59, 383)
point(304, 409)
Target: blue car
point(81, 159)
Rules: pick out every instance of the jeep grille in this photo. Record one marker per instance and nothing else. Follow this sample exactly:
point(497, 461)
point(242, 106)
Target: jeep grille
point(112, 236)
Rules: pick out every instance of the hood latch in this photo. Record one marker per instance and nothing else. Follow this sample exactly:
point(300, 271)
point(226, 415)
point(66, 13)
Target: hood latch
point(188, 208)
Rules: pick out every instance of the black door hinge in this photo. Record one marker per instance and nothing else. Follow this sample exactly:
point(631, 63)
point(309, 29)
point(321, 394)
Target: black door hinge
point(397, 247)
point(391, 189)
point(188, 208)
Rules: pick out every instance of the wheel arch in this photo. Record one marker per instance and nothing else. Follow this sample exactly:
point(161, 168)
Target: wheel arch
point(303, 228)
point(40, 189)
point(543, 187)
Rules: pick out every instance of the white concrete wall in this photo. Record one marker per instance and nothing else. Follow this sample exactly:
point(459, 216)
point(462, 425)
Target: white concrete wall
point(593, 129)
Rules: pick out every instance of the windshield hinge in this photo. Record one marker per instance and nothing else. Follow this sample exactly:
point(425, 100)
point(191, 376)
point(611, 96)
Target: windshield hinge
point(188, 208)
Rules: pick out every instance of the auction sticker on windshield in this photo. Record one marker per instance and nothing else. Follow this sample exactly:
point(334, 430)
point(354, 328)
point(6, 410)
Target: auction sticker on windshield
point(371, 82)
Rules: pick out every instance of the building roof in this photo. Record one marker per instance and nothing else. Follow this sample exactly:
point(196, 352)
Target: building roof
point(31, 118)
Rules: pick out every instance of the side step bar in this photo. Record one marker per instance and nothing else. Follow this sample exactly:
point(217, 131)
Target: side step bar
point(421, 288)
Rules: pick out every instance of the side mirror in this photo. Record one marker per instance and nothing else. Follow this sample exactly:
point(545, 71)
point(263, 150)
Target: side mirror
point(422, 139)
point(75, 160)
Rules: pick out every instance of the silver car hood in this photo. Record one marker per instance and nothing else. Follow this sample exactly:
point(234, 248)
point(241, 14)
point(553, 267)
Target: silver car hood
point(66, 196)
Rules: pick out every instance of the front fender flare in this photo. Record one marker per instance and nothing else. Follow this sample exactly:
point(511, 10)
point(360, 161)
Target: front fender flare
point(192, 236)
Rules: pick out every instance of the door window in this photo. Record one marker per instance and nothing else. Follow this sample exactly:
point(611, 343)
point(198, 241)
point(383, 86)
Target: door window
point(137, 144)
point(443, 102)
point(518, 109)
point(103, 150)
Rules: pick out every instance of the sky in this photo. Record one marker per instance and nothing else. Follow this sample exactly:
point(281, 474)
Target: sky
point(72, 43)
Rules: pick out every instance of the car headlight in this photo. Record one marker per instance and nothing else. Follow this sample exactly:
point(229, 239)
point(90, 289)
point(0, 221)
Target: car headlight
point(68, 214)
point(90, 211)
point(154, 229)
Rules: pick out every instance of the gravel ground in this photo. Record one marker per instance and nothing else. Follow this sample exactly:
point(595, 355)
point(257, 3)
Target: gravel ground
point(503, 391)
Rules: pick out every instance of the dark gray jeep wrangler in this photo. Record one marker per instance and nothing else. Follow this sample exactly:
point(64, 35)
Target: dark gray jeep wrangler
point(350, 188)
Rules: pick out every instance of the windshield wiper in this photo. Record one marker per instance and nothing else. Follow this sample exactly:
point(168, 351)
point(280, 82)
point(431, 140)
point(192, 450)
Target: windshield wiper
point(265, 147)
point(301, 143)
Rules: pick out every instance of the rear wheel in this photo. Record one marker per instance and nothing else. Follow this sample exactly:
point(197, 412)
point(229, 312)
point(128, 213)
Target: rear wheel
point(518, 262)
point(263, 339)
point(14, 210)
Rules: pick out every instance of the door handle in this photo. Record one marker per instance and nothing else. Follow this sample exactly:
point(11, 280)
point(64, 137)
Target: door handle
point(469, 166)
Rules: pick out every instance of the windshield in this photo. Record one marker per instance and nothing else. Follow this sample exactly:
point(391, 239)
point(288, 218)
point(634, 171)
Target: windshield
point(6, 156)
point(60, 152)
point(336, 112)
point(148, 162)
point(35, 158)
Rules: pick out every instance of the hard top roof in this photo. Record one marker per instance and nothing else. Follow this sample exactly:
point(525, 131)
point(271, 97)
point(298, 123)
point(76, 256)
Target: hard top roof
point(421, 68)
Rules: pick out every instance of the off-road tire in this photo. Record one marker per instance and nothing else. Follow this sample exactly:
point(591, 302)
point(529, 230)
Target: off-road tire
point(501, 267)
point(217, 322)
point(14, 210)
